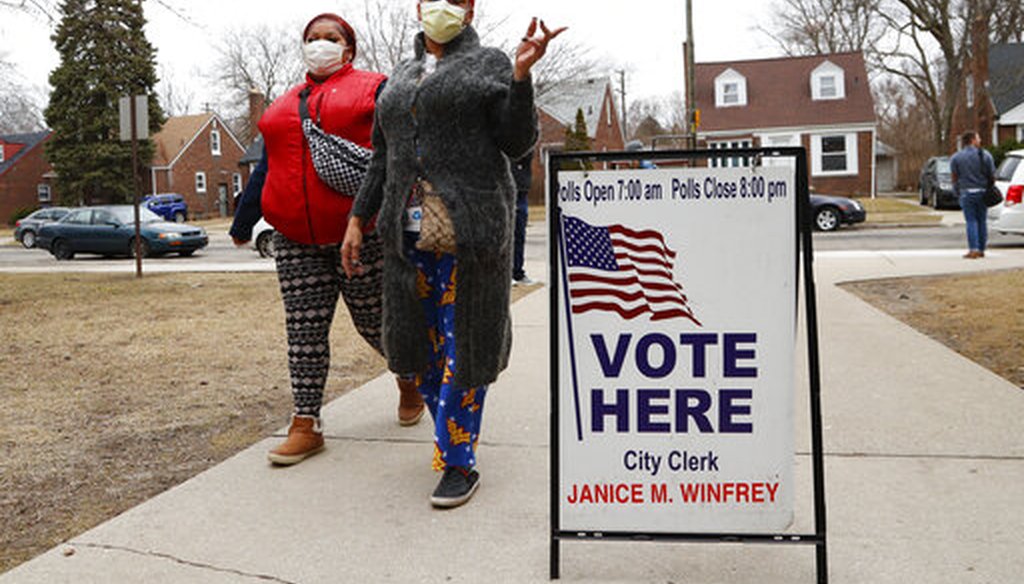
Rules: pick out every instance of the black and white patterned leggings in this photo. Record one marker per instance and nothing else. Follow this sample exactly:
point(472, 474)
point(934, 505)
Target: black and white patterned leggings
point(311, 279)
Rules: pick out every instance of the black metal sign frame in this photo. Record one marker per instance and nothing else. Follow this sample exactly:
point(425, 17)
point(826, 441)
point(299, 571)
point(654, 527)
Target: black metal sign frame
point(803, 241)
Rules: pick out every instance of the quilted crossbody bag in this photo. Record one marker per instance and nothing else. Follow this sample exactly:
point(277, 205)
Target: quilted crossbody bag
point(340, 164)
point(437, 233)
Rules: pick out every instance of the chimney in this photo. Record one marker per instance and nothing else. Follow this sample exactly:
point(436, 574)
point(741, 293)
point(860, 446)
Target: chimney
point(979, 63)
point(257, 104)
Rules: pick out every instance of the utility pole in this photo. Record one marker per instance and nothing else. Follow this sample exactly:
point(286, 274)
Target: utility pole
point(622, 95)
point(691, 107)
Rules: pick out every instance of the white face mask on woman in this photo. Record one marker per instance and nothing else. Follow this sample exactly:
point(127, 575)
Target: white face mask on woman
point(442, 21)
point(323, 57)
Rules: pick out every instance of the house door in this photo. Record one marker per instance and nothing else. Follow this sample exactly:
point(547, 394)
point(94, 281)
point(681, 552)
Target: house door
point(222, 199)
point(780, 140)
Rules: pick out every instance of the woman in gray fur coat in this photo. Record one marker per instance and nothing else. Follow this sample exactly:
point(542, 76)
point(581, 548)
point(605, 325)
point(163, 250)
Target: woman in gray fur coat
point(448, 121)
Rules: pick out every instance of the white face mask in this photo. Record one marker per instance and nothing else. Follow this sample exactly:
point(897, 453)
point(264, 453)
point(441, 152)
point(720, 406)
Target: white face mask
point(442, 21)
point(323, 57)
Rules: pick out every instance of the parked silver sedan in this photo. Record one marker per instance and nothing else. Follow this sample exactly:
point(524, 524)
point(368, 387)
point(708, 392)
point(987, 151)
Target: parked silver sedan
point(27, 229)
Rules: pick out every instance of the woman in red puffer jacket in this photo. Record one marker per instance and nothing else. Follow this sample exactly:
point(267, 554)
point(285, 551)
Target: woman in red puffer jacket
point(310, 219)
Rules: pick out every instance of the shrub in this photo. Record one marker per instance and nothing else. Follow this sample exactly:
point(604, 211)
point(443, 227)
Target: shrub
point(999, 152)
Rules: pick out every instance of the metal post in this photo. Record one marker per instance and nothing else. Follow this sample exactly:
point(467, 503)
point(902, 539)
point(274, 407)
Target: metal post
point(814, 369)
point(135, 188)
point(691, 107)
point(554, 220)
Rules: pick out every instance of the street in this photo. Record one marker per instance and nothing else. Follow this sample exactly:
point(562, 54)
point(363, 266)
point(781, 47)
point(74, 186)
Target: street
point(219, 255)
point(222, 255)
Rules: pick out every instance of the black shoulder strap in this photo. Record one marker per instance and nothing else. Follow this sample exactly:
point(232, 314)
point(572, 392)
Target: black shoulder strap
point(984, 167)
point(303, 106)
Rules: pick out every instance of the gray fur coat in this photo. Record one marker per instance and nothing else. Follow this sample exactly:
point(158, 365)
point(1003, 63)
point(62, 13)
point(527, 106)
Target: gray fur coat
point(458, 130)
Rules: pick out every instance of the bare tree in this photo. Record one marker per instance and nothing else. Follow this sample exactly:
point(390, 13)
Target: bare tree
point(817, 27)
point(262, 58)
point(176, 98)
point(20, 109)
point(45, 9)
point(923, 43)
point(901, 123)
point(384, 34)
point(928, 52)
point(1007, 21)
point(49, 10)
point(565, 61)
point(385, 30)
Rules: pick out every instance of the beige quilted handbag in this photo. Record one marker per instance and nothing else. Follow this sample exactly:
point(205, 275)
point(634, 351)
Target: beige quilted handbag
point(437, 234)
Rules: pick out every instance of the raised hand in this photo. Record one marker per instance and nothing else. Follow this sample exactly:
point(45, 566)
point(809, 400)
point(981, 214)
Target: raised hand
point(532, 48)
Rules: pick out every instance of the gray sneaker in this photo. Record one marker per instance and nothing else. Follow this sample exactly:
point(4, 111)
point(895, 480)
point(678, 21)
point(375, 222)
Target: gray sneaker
point(457, 486)
point(524, 281)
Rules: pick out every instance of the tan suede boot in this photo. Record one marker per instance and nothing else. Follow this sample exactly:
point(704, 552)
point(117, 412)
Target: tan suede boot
point(305, 438)
point(410, 402)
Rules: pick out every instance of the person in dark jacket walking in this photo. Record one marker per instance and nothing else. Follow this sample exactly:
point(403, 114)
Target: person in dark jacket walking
point(973, 169)
point(449, 121)
point(310, 220)
point(522, 173)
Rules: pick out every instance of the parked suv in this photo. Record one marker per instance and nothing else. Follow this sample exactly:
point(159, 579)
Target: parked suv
point(1008, 216)
point(27, 228)
point(170, 206)
point(936, 184)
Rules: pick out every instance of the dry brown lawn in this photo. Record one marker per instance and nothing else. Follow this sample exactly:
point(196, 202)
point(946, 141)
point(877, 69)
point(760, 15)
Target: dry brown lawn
point(976, 315)
point(115, 389)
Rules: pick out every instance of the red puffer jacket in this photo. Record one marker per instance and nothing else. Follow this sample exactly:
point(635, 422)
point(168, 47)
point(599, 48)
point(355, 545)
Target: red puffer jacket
point(294, 200)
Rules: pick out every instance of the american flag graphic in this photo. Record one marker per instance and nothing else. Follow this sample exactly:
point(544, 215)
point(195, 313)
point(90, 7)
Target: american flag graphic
point(621, 270)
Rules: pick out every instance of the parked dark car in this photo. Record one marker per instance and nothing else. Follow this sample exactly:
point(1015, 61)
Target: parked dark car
point(828, 212)
point(936, 184)
point(170, 206)
point(110, 230)
point(26, 229)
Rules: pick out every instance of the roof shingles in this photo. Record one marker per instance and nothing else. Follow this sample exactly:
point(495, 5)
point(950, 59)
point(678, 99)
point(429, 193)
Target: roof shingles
point(779, 94)
point(176, 133)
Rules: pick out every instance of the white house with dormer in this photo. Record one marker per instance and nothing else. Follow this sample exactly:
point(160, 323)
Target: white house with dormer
point(821, 102)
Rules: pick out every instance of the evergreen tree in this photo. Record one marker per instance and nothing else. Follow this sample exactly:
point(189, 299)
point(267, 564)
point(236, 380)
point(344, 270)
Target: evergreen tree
point(104, 55)
point(577, 140)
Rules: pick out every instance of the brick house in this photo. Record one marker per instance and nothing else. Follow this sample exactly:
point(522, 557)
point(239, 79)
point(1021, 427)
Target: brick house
point(557, 109)
point(822, 103)
point(198, 156)
point(26, 178)
point(992, 102)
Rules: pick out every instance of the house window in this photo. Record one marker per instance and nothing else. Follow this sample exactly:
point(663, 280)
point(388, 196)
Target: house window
point(1020, 133)
point(215, 142)
point(43, 190)
point(729, 161)
point(827, 86)
point(730, 93)
point(200, 182)
point(236, 183)
point(608, 112)
point(730, 89)
point(834, 154)
point(1, 153)
point(828, 81)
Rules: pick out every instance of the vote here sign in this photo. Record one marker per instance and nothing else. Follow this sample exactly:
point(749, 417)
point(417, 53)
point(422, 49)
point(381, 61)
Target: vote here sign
point(677, 325)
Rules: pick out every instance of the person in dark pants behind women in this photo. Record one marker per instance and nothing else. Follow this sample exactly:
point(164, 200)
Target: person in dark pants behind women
point(522, 173)
point(972, 169)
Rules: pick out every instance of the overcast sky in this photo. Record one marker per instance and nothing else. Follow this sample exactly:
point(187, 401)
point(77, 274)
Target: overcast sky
point(644, 37)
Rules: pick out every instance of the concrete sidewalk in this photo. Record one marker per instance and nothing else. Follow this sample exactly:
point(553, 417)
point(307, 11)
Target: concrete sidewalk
point(925, 479)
